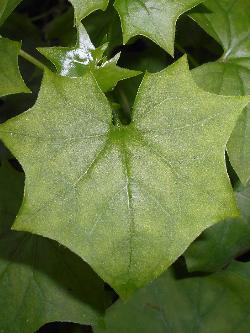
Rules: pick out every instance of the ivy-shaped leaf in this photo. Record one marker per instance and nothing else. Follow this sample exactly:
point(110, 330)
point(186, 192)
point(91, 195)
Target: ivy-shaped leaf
point(113, 193)
point(217, 303)
point(154, 19)
point(83, 8)
point(6, 8)
point(83, 58)
point(228, 22)
point(11, 81)
point(40, 281)
point(218, 245)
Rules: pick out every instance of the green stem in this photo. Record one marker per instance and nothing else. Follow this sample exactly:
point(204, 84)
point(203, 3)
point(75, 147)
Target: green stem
point(32, 60)
point(191, 58)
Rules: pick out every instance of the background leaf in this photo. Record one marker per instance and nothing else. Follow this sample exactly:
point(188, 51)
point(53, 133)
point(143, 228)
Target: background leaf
point(228, 22)
point(6, 8)
point(84, 7)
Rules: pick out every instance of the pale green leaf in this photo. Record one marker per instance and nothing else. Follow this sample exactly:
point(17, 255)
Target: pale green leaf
point(228, 22)
point(218, 245)
point(11, 81)
point(113, 193)
point(83, 8)
point(40, 281)
point(154, 19)
point(6, 8)
point(83, 58)
point(217, 303)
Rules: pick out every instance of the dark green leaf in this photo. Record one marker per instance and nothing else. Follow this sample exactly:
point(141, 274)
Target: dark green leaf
point(218, 303)
point(6, 8)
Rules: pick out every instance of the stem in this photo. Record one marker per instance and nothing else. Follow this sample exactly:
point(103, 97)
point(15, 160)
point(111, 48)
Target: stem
point(32, 60)
point(191, 58)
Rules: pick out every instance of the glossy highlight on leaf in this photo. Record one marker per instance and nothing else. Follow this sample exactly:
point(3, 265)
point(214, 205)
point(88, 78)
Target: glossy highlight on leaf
point(83, 58)
point(154, 19)
point(228, 22)
point(113, 193)
point(11, 81)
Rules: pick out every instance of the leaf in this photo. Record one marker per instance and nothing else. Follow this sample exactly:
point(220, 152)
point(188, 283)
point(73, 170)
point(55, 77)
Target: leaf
point(216, 303)
point(83, 8)
point(6, 8)
point(224, 241)
point(228, 22)
point(113, 193)
point(153, 19)
point(76, 61)
point(11, 81)
point(37, 275)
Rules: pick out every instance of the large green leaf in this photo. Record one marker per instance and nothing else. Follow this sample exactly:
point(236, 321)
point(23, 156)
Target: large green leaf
point(11, 81)
point(218, 303)
point(40, 281)
point(154, 19)
point(85, 7)
point(84, 57)
point(113, 193)
point(228, 22)
point(6, 8)
point(224, 241)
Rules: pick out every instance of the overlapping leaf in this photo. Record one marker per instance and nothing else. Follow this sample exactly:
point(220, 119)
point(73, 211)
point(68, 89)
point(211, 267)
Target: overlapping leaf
point(40, 281)
point(228, 22)
point(84, 7)
point(113, 193)
point(6, 8)
point(216, 303)
point(155, 19)
point(83, 58)
point(224, 241)
point(11, 81)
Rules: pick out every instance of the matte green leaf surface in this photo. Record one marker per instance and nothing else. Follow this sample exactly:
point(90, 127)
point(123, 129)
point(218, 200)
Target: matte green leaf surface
point(154, 19)
point(224, 241)
point(113, 193)
point(40, 281)
point(6, 8)
point(218, 303)
point(228, 22)
point(83, 58)
point(84, 7)
point(11, 81)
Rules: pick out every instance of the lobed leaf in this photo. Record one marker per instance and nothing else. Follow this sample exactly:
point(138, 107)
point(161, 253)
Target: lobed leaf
point(83, 58)
point(228, 22)
point(83, 8)
point(113, 193)
point(11, 81)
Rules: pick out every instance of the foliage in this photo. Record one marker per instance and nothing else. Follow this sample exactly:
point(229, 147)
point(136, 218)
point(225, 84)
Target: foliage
point(124, 166)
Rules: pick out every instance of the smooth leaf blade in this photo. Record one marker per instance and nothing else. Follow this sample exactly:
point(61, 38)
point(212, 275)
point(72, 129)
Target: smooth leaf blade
point(11, 81)
point(228, 22)
point(111, 193)
point(215, 303)
point(6, 8)
point(83, 8)
point(155, 20)
point(38, 275)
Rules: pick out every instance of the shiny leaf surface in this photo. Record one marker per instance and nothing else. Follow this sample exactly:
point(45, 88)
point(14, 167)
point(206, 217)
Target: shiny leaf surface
point(216, 303)
point(83, 58)
point(228, 22)
point(99, 189)
point(11, 81)
point(154, 19)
